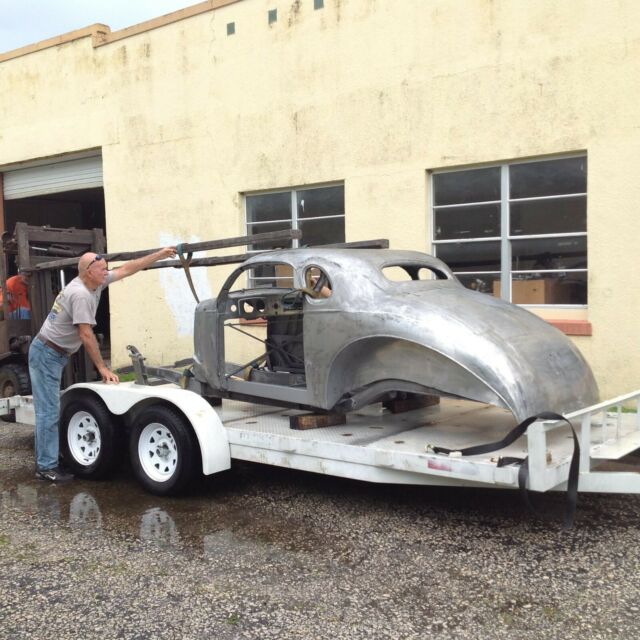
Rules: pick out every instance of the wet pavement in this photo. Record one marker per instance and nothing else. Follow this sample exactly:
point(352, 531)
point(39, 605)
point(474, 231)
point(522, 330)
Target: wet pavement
point(259, 552)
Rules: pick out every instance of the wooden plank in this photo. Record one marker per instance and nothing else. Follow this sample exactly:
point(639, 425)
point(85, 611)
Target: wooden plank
point(62, 236)
point(381, 243)
point(316, 420)
point(241, 257)
point(21, 233)
point(203, 262)
point(99, 243)
point(259, 238)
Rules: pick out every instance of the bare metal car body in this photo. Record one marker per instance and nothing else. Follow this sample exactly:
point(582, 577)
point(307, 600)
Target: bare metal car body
point(373, 338)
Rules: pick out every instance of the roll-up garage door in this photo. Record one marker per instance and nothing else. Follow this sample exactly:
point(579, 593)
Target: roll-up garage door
point(68, 175)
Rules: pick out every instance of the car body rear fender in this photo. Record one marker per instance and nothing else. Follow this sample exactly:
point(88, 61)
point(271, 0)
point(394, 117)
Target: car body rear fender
point(371, 360)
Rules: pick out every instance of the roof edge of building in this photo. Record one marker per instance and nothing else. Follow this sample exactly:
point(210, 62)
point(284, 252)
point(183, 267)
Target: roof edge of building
point(101, 34)
point(96, 31)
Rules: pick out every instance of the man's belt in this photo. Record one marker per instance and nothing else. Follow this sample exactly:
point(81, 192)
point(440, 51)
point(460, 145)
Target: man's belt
point(53, 345)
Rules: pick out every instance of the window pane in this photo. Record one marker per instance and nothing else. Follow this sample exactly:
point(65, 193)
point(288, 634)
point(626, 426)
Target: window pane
point(253, 229)
point(549, 216)
point(549, 253)
point(550, 288)
point(315, 232)
point(548, 178)
point(482, 282)
point(470, 256)
point(326, 201)
point(476, 185)
point(279, 275)
point(467, 222)
point(269, 206)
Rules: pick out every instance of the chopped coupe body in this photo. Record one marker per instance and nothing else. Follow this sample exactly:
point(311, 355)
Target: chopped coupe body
point(344, 332)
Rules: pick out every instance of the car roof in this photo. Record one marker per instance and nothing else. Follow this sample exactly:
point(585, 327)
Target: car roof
point(373, 258)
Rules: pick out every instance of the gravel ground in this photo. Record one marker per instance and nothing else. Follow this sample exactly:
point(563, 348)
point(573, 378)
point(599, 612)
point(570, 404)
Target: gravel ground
point(271, 553)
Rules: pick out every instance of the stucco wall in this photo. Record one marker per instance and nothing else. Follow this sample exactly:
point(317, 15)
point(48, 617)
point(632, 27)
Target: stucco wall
point(372, 92)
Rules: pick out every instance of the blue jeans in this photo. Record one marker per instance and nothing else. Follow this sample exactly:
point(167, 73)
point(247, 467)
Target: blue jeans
point(45, 369)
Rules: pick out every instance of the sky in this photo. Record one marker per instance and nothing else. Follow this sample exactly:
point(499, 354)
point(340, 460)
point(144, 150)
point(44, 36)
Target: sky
point(24, 22)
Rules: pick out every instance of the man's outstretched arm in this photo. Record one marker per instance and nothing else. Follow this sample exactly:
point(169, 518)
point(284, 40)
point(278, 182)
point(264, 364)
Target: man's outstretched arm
point(133, 266)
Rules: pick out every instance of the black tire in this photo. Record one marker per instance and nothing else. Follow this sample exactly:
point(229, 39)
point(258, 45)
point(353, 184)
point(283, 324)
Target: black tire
point(89, 438)
point(14, 381)
point(164, 452)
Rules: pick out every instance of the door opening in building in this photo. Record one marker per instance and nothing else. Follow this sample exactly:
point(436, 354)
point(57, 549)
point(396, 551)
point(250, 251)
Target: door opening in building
point(79, 209)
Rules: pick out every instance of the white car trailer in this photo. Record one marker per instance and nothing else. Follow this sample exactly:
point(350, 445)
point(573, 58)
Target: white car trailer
point(173, 434)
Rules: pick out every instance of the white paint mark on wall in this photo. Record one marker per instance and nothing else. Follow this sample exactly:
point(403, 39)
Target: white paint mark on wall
point(176, 288)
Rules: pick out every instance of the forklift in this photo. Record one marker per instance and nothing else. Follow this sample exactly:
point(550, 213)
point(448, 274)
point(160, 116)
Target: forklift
point(20, 252)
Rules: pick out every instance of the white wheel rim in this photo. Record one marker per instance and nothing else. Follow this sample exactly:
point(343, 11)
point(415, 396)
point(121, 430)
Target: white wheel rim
point(83, 437)
point(157, 452)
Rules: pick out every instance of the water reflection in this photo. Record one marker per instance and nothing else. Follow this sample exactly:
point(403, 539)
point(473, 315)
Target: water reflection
point(225, 542)
point(205, 525)
point(49, 503)
point(84, 512)
point(32, 500)
point(158, 526)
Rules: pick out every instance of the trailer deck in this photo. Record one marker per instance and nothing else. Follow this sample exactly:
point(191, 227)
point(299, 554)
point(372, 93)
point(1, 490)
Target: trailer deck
point(378, 446)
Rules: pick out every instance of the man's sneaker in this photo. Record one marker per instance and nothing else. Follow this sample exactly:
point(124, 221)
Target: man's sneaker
point(54, 475)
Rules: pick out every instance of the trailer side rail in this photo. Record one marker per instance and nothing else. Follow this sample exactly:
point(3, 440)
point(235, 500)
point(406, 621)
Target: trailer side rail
point(606, 431)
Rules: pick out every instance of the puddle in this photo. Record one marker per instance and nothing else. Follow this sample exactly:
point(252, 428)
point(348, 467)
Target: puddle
point(222, 517)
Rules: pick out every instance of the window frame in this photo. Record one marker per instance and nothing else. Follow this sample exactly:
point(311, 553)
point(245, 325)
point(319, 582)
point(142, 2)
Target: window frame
point(294, 219)
point(506, 237)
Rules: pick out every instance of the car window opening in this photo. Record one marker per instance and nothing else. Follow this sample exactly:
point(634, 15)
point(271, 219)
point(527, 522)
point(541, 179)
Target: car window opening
point(317, 282)
point(408, 272)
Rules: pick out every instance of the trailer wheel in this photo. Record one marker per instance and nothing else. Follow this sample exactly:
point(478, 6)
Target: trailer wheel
point(163, 451)
point(89, 438)
point(14, 380)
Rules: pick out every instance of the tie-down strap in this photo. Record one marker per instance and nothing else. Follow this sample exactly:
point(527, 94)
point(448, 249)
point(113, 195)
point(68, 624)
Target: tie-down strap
point(512, 436)
point(185, 261)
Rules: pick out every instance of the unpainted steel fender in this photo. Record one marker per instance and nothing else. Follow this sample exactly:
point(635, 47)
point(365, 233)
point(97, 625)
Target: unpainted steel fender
point(209, 430)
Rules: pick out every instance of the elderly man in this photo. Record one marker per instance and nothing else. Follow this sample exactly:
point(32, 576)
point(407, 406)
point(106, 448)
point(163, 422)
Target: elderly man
point(69, 326)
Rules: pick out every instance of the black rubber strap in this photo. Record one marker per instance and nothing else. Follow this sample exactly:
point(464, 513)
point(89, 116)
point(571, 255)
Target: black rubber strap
point(186, 262)
point(523, 473)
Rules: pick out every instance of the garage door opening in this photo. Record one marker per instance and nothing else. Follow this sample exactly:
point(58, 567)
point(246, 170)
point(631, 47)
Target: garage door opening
point(62, 195)
point(82, 209)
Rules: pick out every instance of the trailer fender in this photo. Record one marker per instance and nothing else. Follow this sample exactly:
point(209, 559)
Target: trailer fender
point(209, 430)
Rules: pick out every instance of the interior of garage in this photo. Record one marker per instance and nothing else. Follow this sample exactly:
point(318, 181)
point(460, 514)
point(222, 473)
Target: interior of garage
point(79, 209)
point(66, 193)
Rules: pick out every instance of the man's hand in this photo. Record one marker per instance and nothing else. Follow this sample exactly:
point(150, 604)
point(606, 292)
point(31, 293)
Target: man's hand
point(108, 376)
point(167, 252)
point(90, 343)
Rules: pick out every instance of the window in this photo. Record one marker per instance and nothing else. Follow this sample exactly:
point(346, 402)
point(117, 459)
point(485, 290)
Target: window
point(517, 231)
point(317, 211)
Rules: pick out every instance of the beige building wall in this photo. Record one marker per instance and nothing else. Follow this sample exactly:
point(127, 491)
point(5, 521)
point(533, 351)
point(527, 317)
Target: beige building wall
point(370, 92)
